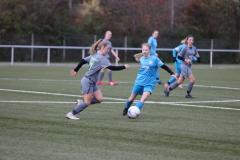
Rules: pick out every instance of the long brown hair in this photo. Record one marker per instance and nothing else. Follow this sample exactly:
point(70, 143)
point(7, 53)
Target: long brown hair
point(188, 38)
point(97, 46)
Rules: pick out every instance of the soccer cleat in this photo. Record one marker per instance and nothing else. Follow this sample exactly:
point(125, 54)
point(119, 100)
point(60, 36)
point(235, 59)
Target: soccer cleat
point(112, 83)
point(125, 110)
point(166, 85)
point(158, 82)
point(71, 116)
point(188, 96)
point(78, 101)
point(180, 86)
point(100, 83)
point(166, 92)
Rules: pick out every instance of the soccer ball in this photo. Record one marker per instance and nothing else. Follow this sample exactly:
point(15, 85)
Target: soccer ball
point(133, 112)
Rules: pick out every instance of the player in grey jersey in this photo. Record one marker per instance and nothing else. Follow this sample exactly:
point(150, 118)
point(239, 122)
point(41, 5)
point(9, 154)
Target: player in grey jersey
point(186, 55)
point(90, 90)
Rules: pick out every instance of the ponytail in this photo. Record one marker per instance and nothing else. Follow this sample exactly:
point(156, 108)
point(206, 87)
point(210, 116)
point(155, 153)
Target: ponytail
point(94, 47)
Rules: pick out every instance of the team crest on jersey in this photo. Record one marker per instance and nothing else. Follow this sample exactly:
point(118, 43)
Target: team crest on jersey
point(150, 62)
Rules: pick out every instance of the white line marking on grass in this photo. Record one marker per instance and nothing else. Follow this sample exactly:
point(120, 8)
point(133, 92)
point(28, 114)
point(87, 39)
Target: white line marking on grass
point(197, 106)
point(55, 80)
point(117, 99)
point(56, 94)
point(50, 102)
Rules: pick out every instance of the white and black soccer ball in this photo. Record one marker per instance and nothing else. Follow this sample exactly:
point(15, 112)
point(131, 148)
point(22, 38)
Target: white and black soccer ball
point(133, 112)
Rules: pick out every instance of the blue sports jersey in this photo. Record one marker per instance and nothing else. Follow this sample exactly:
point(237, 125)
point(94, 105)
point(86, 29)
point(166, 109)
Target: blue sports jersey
point(147, 72)
point(153, 42)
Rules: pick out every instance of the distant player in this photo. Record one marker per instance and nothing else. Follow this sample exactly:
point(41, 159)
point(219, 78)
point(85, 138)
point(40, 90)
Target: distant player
point(177, 64)
point(153, 42)
point(146, 78)
point(186, 55)
point(108, 36)
point(90, 90)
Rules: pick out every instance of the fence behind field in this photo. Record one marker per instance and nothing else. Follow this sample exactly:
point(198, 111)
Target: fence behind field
point(126, 54)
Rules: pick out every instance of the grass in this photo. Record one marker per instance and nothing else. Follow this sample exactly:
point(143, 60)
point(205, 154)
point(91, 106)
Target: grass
point(35, 100)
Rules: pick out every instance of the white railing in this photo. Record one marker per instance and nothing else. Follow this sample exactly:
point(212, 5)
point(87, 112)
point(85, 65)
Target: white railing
point(87, 48)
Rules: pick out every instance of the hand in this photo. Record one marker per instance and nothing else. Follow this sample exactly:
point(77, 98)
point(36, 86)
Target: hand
point(73, 73)
point(156, 54)
point(126, 66)
point(118, 59)
point(188, 61)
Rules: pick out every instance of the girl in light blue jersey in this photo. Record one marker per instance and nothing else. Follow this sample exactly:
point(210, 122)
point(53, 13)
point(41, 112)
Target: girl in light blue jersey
point(177, 64)
point(90, 90)
point(153, 42)
point(146, 78)
point(186, 55)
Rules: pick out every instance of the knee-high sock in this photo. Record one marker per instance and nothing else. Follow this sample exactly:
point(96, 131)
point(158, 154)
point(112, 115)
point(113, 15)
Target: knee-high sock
point(94, 101)
point(171, 80)
point(79, 108)
point(128, 103)
point(190, 86)
point(100, 76)
point(157, 76)
point(109, 76)
point(174, 85)
point(139, 104)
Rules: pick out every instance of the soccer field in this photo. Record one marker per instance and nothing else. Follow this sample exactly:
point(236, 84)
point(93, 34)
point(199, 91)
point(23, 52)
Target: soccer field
point(34, 101)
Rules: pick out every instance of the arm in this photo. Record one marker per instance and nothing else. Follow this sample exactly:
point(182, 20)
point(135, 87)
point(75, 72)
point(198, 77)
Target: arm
point(174, 54)
point(166, 68)
point(184, 60)
point(118, 68)
point(197, 59)
point(115, 55)
point(74, 72)
point(80, 64)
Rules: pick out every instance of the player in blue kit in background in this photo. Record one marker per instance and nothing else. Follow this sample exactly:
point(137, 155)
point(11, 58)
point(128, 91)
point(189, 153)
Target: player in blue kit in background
point(153, 42)
point(177, 64)
point(146, 78)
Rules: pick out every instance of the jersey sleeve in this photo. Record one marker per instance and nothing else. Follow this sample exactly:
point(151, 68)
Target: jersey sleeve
point(104, 62)
point(87, 59)
point(159, 62)
point(183, 52)
point(150, 41)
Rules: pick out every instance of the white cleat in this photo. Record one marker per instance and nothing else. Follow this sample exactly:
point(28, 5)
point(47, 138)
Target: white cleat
point(78, 101)
point(71, 116)
point(180, 86)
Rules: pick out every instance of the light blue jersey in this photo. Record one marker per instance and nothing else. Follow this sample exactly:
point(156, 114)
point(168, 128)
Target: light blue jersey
point(176, 52)
point(147, 72)
point(153, 42)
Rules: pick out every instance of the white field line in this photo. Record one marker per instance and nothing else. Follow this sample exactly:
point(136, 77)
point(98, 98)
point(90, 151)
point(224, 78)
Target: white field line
point(117, 99)
point(55, 80)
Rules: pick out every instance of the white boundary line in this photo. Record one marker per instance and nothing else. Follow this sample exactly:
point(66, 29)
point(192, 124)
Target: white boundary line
point(152, 102)
point(53, 80)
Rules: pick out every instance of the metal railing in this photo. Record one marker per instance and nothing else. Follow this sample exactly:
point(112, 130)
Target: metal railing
point(115, 48)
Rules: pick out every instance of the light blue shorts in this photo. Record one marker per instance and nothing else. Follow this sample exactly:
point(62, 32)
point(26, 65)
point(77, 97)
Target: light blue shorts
point(178, 68)
point(139, 89)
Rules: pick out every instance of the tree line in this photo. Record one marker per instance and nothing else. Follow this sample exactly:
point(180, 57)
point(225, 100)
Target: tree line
point(174, 19)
